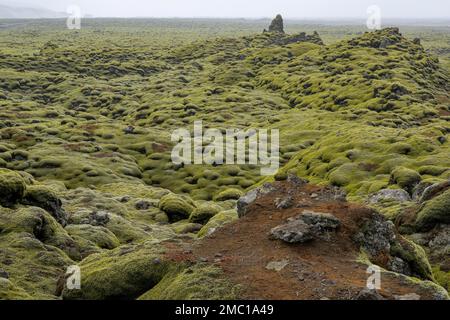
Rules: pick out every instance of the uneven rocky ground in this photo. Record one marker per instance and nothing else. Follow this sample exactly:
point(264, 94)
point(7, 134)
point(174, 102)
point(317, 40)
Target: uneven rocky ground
point(86, 176)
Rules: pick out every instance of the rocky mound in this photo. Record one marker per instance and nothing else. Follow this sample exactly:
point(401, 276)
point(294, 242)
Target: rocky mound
point(317, 247)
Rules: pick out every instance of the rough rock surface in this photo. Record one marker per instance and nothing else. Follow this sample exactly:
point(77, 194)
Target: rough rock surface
point(277, 24)
point(306, 227)
point(295, 231)
point(397, 195)
point(284, 203)
point(367, 294)
point(377, 235)
point(434, 190)
point(245, 201)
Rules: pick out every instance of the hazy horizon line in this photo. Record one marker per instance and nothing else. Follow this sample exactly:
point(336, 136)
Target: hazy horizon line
point(89, 16)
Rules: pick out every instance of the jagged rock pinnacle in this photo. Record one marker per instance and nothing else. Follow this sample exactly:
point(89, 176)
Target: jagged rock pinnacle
point(277, 24)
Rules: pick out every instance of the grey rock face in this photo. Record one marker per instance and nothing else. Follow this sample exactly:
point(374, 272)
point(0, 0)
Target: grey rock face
point(293, 232)
point(284, 203)
point(399, 195)
point(306, 227)
point(367, 294)
point(245, 201)
point(376, 236)
point(399, 266)
point(321, 222)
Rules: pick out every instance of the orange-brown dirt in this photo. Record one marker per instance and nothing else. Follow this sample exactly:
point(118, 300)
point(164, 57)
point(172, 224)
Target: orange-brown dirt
point(321, 269)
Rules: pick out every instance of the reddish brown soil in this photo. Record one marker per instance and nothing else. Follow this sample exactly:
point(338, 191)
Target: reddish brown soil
point(317, 270)
point(444, 113)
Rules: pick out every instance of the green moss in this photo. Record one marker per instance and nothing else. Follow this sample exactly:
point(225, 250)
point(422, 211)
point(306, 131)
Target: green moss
point(434, 211)
point(8, 291)
point(432, 170)
point(405, 178)
point(204, 212)
point(123, 273)
point(229, 194)
point(415, 256)
point(91, 238)
point(12, 187)
point(45, 198)
point(199, 282)
point(442, 277)
point(218, 221)
point(177, 207)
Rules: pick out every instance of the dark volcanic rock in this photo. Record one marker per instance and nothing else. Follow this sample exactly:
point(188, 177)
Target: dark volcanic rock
point(377, 235)
point(306, 227)
point(284, 203)
point(367, 294)
point(320, 222)
point(293, 232)
point(277, 24)
point(46, 199)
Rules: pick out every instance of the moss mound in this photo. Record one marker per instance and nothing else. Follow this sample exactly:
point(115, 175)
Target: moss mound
point(218, 221)
point(406, 178)
point(415, 256)
point(194, 283)
point(177, 207)
point(92, 239)
point(435, 211)
point(12, 187)
point(8, 291)
point(204, 212)
point(123, 273)
point(45, 198)
point(229, 194)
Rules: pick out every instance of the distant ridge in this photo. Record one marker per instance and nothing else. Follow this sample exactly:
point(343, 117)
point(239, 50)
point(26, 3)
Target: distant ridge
point(10, 12)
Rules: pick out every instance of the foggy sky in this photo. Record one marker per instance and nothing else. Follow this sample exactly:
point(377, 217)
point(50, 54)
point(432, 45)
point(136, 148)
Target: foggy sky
point(247, 8)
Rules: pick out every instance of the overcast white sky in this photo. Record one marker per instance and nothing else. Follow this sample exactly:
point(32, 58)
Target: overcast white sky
point(248, 8)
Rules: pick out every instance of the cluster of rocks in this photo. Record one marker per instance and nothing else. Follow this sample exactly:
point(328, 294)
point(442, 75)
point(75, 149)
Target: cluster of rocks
point(279, 37)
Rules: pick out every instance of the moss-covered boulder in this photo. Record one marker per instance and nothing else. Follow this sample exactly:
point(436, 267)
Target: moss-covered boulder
point(39, 225)
point(126, 272)
point(204, 212)
point(406, 178)
point(415, 256)
point(199, 282)
point(46, 199)
point(34, 251)
point(229, 194)
point(176, 207)
point(12, 187)
point(434, 211)
point(92, 239)
point(9, 291)
point(218, 221)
